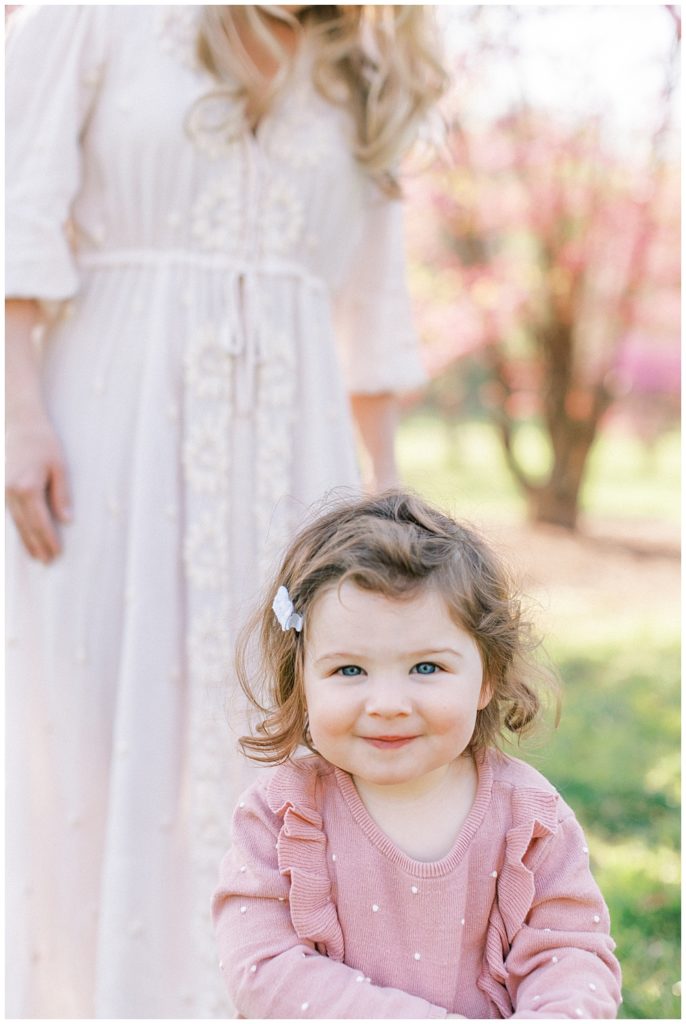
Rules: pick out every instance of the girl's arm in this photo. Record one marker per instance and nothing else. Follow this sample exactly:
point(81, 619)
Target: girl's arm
point(268, 970)
point(561, 961)
point(376, 417)
point(36, 486)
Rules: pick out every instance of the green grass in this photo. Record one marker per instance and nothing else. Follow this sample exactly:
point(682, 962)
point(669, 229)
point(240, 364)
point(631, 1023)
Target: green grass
point(615, 759)
point(615, 756)
point(463, 463)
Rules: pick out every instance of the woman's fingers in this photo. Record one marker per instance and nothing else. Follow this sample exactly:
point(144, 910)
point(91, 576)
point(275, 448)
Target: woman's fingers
point(59, 495)
point(34, 546)
point(29, 507)
point(36, 487)
point(29, 541)
point(42, 525)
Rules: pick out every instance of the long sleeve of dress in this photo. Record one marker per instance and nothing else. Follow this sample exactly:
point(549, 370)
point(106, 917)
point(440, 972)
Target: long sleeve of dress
point(270, 972)
point(561, 962)
point(372, 310)
point(54, 55)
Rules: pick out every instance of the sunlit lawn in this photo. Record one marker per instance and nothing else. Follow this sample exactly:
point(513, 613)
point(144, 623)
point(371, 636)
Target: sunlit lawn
point(615, 756)
point(463, 464)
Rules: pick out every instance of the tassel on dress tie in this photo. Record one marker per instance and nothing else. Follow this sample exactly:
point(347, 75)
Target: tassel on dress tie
point(241, 335)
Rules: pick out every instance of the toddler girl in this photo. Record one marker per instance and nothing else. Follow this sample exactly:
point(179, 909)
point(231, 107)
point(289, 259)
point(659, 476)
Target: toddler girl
point(405, 867)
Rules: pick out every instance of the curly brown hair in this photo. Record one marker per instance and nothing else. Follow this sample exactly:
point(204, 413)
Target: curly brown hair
point(392, 544)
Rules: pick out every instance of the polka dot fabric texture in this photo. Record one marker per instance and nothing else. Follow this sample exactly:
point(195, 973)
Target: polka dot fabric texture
point(533, 937)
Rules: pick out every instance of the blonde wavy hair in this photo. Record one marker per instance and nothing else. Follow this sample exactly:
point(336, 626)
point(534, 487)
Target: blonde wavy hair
point(380, 62)
point(395, 544)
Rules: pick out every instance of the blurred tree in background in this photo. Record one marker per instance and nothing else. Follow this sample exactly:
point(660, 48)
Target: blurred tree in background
point(544, 260)
point(550, 253)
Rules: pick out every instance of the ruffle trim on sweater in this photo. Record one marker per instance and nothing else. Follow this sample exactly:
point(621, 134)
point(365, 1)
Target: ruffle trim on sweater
point(534, 817)
point(301, 852)
point(302, 856)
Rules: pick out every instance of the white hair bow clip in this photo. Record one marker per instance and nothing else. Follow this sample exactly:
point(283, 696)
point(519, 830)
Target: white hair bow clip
point(285, 612)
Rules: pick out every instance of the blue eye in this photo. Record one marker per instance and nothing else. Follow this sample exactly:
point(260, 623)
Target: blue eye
point(350, 671)
point(425, 668)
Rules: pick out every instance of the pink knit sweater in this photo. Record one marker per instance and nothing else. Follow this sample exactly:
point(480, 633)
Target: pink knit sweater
point(319, 914)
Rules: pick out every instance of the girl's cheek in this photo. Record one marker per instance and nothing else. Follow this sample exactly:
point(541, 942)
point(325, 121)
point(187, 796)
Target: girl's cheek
point(447, 720)
point(333, 720)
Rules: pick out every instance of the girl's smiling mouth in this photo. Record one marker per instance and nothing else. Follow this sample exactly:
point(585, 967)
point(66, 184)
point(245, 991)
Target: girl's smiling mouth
point(389, 742)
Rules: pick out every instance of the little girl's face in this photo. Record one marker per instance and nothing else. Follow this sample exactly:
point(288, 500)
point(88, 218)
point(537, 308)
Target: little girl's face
point(392, 686)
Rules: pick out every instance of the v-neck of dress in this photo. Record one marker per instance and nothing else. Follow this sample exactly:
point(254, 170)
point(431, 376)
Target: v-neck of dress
point(383, 842)
point(300, 66)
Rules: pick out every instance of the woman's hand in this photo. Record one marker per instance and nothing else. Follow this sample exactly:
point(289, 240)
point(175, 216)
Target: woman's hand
point(376, 418)
point(382, 480)
point(36, 487)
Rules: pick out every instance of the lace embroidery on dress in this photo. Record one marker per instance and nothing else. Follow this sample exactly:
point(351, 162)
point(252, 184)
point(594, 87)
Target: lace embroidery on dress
point(205, 452)
point(177, 30)
point(208, 381)
point(284, 217)
point(217, 216)
point(276, 385)
point(243, 363)
point(216, 124)
point(297, 138)
point(207, 365)
point(203, 540)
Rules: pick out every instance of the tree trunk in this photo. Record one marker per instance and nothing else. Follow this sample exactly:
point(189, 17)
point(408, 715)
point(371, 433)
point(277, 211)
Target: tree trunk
point(556, 500)
point(554, 507)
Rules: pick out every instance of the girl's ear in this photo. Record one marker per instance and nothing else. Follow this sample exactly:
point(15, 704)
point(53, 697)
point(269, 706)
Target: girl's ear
point(485, 696)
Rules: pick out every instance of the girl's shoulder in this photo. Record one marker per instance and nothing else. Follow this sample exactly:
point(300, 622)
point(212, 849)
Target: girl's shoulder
point(299, 782)
point(512, 771)
point(525, 788)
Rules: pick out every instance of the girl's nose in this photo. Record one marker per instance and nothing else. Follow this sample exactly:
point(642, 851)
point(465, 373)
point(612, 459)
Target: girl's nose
point(387, 699)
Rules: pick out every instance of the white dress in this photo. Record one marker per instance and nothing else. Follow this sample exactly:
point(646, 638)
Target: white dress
point(192, 375)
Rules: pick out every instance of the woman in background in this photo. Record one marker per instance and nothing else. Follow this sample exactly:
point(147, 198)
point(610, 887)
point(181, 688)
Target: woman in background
point(204, 260)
